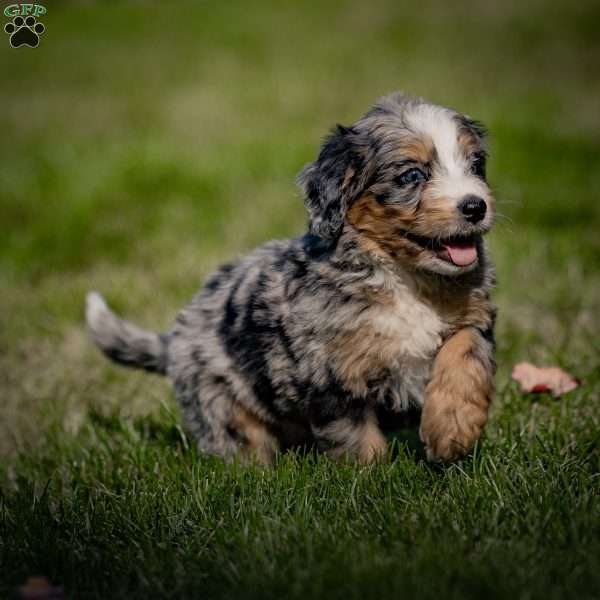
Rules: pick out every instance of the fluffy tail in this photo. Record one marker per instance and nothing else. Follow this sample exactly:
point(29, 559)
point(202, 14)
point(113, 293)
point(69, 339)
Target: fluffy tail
point(124, 342)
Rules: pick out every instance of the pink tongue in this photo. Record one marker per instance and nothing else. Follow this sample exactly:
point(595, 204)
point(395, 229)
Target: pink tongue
point(461, 254)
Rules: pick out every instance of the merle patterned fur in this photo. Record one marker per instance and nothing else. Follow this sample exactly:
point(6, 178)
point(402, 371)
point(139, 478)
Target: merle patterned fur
point(312, 340)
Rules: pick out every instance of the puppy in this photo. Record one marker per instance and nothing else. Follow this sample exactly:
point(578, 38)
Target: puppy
point(382, 308)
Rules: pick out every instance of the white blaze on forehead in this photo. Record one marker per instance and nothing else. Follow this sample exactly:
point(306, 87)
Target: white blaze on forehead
point(438, 124)
point(453, 177)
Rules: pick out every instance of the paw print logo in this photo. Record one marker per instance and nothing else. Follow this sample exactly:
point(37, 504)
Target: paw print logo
point(24, 32)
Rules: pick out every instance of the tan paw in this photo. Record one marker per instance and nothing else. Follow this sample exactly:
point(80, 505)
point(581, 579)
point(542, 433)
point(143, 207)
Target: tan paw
point(449, 432)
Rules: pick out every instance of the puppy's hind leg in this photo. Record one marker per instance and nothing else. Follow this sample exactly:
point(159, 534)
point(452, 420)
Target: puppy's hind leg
point(257, 441)
point(223, 427)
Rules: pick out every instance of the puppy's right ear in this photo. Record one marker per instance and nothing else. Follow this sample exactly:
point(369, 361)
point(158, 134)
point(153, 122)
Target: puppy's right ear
point(332, 182)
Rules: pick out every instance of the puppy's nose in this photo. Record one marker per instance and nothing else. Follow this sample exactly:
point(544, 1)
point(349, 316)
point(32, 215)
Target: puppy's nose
point(473, 208)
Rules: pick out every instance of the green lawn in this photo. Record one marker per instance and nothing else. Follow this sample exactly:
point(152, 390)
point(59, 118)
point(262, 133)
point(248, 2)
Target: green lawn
point(144, 143)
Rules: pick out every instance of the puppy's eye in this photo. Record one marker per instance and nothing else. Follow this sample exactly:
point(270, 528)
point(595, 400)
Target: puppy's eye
point(410, 177)
point(478, 165)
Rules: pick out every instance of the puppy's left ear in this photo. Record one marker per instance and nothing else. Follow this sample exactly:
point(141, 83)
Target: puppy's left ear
point(333, 181)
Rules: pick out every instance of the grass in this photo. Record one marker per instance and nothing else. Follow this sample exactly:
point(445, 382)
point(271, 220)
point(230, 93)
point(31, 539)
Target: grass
point(144, 144)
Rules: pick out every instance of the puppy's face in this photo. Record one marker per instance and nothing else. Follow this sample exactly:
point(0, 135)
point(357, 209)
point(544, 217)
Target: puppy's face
point(409, 177)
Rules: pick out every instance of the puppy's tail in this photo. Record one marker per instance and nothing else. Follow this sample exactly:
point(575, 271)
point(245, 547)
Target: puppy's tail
point(124, 342)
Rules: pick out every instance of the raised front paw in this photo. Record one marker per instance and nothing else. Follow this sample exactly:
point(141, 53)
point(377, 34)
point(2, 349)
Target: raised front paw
point(450, 426)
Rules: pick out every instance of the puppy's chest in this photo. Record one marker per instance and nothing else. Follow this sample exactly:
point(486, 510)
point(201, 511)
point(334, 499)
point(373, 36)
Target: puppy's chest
point(393, 342)
point(405, 326)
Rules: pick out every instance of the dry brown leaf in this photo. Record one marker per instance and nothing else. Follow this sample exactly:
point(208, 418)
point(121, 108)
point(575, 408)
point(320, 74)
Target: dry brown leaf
point(39, 588)
point(543, 379)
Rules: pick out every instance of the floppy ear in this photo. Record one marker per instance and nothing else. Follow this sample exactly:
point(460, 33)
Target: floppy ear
point(332, 182)
point(477, 128)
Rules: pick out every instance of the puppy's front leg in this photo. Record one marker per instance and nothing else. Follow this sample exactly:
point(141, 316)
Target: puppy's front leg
point(458, 396)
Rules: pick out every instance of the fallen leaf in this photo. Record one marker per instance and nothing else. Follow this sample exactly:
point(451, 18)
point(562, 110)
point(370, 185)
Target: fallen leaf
point(543, 379)
point(39, 588)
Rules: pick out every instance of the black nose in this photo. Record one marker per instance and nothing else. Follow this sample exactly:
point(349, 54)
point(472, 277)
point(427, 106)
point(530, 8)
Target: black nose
point(473, 208)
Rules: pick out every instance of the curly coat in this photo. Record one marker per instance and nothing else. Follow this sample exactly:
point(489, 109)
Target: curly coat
point(381, 309)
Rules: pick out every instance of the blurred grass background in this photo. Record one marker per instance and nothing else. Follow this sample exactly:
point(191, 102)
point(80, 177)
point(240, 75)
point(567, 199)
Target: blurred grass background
point(143, 143)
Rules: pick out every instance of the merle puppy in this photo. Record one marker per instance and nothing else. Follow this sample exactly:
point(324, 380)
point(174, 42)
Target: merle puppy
point(381, 308)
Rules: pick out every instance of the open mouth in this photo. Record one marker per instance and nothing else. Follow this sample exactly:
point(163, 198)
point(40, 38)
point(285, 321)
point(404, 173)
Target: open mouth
point(459, 250)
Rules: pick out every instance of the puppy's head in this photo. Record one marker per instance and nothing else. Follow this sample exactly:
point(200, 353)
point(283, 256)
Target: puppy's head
point(409, 178)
